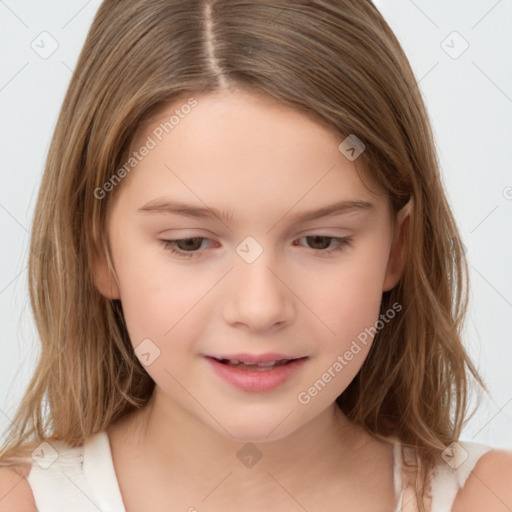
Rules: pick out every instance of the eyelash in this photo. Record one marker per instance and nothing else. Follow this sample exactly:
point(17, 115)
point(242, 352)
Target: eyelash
point(340, 244)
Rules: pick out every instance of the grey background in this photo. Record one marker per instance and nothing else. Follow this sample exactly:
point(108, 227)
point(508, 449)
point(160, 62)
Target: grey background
point(469, 99)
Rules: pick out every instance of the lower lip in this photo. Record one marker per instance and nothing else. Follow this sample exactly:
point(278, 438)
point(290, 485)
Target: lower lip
point(256, 380)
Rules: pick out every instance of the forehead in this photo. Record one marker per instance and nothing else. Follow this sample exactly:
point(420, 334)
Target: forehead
point(241, 144)
point(230, 98)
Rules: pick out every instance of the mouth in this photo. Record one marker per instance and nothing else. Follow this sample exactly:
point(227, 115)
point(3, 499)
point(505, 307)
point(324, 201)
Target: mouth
point(256, 373)
point(255, 362)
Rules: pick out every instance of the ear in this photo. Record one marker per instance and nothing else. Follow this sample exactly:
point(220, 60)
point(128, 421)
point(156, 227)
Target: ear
point(103, 274)
point(398, 251)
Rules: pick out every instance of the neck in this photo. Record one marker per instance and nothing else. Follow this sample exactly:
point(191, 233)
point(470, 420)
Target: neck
point(176, 458)
point(165, 432)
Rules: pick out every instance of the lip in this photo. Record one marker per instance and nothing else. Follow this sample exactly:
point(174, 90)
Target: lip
point(256, 381)
point(255, 358)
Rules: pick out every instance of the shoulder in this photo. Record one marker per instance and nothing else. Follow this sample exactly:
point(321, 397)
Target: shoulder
point(489, 485)
point(15, 492)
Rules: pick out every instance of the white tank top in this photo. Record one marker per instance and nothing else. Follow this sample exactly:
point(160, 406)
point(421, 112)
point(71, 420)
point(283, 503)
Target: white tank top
point(83, 479)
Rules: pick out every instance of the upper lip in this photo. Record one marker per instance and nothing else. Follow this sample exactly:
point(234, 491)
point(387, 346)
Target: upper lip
point(256, 358)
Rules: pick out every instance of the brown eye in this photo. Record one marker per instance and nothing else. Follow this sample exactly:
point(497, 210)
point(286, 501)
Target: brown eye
point(184, 247)
point(189, 244)
point(319, 242)
point(327, 244)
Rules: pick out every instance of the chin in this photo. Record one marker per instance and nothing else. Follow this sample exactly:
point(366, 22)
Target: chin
point(256, 434)
point(258, 426)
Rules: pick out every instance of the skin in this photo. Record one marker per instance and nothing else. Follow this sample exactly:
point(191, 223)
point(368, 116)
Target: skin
point(263, 162)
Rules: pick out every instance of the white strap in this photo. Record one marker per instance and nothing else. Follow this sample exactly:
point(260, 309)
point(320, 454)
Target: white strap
point(405, 494)
point(99, 471)
point(57, 481)
point(449, 477)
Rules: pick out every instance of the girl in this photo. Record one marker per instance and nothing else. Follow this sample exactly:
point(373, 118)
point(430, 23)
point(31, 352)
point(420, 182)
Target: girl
point(247, 281)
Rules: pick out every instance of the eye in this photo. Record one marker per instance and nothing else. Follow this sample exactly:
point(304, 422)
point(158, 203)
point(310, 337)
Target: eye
point(328, 244)
point(190, 247)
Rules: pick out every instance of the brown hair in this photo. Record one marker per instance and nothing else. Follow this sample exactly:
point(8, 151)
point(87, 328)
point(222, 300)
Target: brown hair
point(338, 61)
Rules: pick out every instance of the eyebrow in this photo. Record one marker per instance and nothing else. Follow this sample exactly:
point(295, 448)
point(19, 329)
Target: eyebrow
point(188, 210)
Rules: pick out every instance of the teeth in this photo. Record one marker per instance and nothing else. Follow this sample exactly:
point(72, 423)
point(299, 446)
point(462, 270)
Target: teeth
point(268, 364)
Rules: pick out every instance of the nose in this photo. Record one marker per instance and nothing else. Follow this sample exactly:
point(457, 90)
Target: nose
point(257, 296)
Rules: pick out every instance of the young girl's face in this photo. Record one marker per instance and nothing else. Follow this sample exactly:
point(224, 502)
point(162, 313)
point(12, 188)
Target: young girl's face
point(266, 269)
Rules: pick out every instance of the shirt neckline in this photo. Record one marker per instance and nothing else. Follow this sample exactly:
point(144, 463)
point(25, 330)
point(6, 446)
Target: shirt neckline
point(98, 468)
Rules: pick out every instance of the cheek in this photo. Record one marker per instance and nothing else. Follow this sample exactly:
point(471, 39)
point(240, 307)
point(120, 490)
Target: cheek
point(347, 300)
point(346, 297)
point(157, 298)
